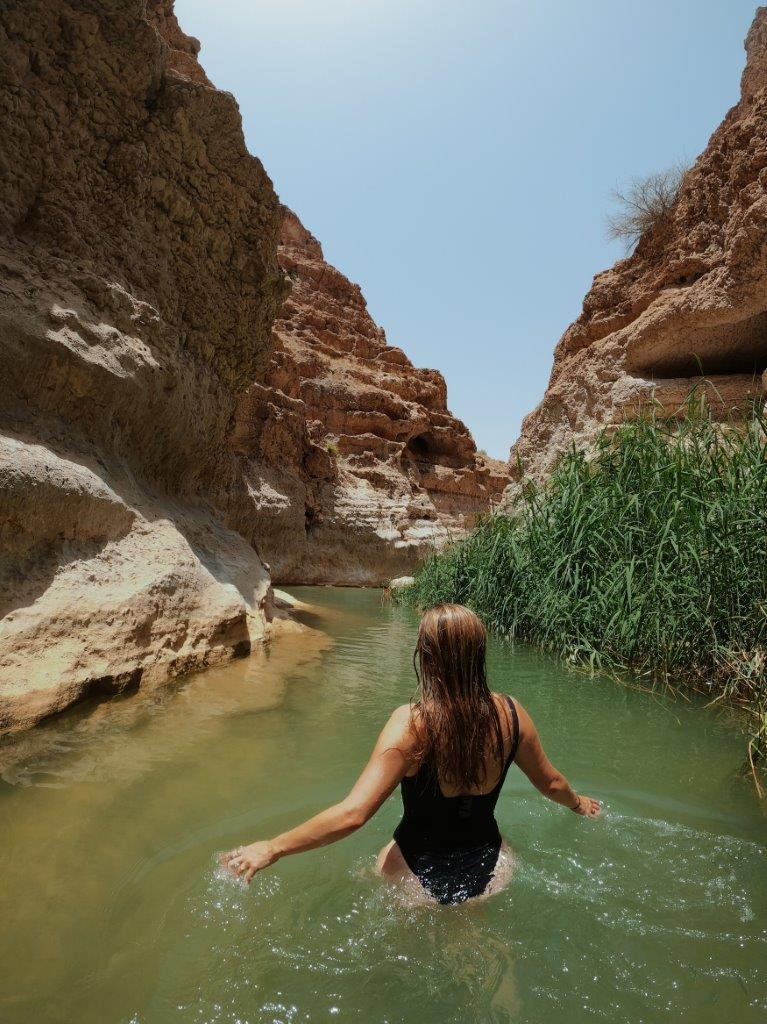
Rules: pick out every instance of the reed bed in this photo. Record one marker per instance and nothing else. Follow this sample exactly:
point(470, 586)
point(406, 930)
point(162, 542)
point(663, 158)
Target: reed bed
point(649, 555)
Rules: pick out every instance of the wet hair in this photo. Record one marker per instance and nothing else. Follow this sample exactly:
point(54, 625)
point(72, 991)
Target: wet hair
point(455, 718)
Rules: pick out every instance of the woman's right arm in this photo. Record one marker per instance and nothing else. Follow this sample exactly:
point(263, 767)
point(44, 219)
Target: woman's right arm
point(382, 774)
point(532, 759)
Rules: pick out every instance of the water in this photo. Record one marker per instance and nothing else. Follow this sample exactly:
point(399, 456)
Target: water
point(112, 912)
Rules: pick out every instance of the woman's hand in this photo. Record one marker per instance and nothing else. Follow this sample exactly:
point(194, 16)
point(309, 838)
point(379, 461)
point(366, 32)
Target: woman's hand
point(245, 861)
point(588, 807)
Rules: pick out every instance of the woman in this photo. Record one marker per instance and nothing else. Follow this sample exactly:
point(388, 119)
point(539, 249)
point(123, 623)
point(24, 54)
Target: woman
point(449, 751)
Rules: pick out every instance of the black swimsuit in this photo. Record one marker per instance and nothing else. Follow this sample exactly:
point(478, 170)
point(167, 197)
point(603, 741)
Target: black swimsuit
point(451, 843)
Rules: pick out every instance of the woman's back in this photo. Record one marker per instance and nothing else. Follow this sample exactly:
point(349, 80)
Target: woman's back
point(450, 840)
point(494, 766)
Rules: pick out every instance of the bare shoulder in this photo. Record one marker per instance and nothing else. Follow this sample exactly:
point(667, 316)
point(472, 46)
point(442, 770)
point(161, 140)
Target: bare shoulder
point(402, 714)
point(400, 724)
point(502, 700)
point(527, 730)
point(397, 732)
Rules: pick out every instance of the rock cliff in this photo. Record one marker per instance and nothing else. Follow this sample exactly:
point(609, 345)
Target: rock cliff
point(687, 308)
point(359, 467)
point(139, 287)
point(166, 412)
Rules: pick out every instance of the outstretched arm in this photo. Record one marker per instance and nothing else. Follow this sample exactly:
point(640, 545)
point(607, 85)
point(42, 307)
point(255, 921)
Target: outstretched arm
point(381, 775)
point(532, 759)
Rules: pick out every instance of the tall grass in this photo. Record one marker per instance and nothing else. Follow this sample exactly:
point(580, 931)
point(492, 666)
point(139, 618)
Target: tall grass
point(649, 555)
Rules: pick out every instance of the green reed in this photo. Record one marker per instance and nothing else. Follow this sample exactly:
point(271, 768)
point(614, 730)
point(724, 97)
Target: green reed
point(649, 554)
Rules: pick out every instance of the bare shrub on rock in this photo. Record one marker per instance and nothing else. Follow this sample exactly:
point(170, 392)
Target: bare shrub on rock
point(643, 203)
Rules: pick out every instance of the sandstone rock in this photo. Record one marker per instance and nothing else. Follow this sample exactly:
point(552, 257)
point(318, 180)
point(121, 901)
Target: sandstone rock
point(139, 286)
point(691, 300)
point(359, 468)
point(99, 594)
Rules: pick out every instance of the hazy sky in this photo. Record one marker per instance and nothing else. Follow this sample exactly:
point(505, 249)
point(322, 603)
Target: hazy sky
point(455, 158)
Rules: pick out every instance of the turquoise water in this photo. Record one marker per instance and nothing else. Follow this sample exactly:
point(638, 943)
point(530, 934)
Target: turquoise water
point(113, 911)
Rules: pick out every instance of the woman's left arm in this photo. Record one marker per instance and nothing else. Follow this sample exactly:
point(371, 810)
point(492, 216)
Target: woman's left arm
point(382, 774)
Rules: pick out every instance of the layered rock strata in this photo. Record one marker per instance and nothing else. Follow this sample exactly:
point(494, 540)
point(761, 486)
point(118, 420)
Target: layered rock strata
point(359, 467)
point(687, 310)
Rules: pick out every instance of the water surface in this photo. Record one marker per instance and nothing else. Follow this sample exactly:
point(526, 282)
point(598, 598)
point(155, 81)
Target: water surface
point(112, 911)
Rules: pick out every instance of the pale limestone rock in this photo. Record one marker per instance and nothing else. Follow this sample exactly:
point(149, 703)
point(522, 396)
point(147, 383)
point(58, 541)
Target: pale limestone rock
point(402, 583)
point(99, 594)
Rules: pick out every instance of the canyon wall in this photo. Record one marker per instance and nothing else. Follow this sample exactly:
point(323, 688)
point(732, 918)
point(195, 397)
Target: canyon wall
point(186, 383)
point(688, 309)
point(359, 467)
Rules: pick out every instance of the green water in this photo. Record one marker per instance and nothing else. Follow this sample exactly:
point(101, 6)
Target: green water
point(111, 909)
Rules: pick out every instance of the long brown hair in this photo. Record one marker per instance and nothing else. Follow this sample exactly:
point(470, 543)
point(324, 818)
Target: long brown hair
point(455, 711)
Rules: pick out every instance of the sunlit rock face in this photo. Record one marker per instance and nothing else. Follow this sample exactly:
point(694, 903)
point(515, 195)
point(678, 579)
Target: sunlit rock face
point(359, 467)
point(689, 303)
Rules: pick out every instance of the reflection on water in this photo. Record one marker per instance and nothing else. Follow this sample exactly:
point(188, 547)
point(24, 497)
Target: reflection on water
point(113, 909)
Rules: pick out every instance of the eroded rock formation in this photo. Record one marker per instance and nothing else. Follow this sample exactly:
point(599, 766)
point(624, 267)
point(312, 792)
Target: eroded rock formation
point(359, 467)
point(152, 441)
point(687, 308)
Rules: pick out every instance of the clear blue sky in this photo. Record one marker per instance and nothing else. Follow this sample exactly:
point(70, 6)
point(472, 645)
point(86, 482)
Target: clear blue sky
point(455, 158)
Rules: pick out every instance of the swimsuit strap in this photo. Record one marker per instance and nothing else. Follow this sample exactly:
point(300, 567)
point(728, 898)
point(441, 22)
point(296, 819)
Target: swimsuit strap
point(515, 736)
